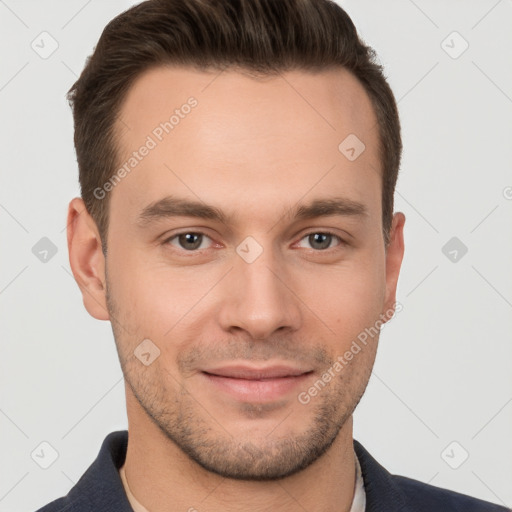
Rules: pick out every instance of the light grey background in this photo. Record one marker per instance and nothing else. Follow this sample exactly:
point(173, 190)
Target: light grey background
point(443, 369)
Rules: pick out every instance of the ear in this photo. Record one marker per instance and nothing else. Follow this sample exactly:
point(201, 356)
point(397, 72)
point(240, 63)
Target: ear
point(86, 259)
point(394, 256)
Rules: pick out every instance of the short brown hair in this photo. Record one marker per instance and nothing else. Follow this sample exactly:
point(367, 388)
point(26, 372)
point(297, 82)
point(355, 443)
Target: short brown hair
point(264, 37)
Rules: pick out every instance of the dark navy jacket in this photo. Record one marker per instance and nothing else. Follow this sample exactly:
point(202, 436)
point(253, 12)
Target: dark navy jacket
point(100, 488)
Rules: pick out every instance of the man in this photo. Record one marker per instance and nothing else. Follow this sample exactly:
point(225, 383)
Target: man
point(261, 134)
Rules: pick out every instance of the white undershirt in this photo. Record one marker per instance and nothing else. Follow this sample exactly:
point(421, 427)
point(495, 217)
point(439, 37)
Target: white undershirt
point(137, 507)
point(358, 503)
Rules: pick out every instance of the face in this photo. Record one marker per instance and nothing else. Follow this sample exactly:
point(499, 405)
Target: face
point(247, 250)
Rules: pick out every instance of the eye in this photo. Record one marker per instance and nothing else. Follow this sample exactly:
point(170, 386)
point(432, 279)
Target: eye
point(321, 240)
point(189, 240)
point(193, 241)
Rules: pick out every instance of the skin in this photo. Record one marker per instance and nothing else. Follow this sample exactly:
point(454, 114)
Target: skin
point(253, 148)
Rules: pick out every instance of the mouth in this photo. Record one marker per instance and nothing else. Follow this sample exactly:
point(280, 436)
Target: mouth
point(252, 384)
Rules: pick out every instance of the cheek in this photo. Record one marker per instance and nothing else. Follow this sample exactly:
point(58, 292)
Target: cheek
point(348, 298)
point(138, 294)
point(161, 303)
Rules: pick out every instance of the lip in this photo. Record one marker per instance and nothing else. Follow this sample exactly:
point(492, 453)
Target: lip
point(249, 383)
point(253, 373)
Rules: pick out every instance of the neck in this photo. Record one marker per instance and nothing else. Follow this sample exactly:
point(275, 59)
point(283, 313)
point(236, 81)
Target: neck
point(164, 479)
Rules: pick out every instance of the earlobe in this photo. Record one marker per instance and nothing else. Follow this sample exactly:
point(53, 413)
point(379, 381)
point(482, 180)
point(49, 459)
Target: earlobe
point(394, 256)
point(86, 258)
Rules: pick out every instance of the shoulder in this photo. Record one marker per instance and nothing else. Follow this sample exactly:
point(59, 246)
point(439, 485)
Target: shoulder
point(386, 491)
point(100, 487)
point(426, 498)
point(65, 504)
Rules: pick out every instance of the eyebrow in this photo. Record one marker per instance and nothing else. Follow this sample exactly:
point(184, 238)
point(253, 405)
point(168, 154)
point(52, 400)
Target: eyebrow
point(171, 206)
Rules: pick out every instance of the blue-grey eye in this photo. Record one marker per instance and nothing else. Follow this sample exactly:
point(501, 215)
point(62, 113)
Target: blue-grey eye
point(321, 240)
point(189, 241)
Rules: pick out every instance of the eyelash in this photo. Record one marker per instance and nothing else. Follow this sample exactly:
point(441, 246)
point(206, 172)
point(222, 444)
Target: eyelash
point(342, 243)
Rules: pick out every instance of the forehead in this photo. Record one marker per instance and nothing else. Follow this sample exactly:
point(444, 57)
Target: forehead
point(223, 134)
point(331, 100)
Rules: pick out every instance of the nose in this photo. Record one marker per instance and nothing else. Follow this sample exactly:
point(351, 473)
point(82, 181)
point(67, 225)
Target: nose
point(258, 297)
